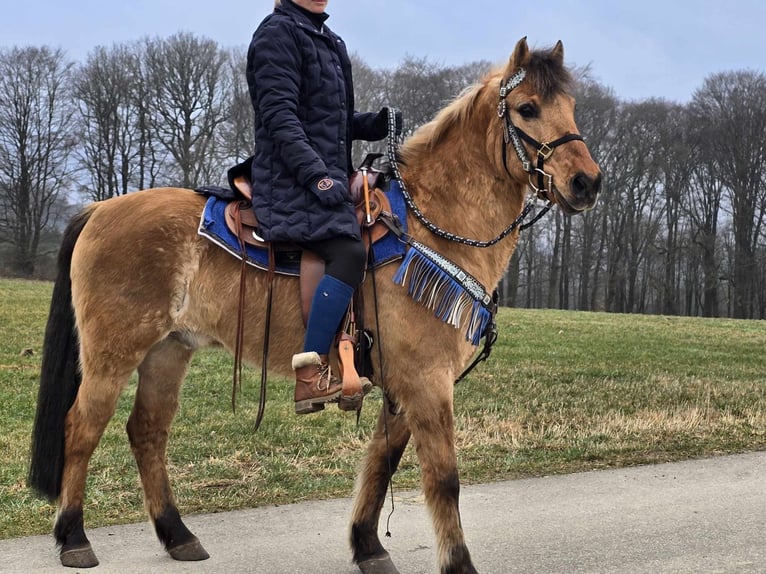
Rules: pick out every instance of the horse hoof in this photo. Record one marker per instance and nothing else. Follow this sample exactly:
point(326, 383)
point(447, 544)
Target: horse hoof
point(380, 564)
point(81, 557)
point(189, 552)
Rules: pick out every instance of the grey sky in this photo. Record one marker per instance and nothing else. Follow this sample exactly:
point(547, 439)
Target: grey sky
point(642, 49)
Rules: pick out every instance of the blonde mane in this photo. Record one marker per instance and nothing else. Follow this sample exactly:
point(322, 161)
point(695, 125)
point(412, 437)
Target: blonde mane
point(454, 116)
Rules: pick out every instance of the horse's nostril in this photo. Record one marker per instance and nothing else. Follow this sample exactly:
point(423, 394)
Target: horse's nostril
point(584, 185)
point(580, 184)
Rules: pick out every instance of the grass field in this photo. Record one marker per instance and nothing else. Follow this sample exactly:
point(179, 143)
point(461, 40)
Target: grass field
point(562, 392)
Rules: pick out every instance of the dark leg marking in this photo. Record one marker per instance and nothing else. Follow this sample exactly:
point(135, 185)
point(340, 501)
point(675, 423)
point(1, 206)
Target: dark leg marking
point(76, 551)
point(178, 540)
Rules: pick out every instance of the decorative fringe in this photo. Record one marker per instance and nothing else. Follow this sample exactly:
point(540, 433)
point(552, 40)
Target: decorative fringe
point(453, 294)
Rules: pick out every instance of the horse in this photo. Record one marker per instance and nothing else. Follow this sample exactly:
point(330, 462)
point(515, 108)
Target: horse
point(139, 290)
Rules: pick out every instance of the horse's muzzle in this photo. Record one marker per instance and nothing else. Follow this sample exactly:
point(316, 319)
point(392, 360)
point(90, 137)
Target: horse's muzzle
point(583, 191)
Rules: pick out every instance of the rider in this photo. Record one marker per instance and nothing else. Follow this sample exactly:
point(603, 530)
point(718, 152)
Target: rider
point(299, 75)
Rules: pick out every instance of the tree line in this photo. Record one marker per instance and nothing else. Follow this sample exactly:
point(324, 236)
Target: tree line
point(677, 230)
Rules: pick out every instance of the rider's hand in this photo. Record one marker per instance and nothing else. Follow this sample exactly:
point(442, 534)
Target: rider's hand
point(381, 122)
point(330, 192)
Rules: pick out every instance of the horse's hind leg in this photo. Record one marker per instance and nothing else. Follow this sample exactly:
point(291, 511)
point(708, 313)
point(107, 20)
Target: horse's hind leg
point(85, 423)
point(160, 376)
point(383, 455)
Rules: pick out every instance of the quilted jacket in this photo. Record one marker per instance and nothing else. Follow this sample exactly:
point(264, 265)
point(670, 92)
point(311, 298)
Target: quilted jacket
point(301, 88)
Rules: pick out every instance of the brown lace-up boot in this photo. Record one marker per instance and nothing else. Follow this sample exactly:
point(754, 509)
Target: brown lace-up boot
point(315, 385)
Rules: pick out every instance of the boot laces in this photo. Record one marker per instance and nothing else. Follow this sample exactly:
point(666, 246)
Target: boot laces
point(325, 377)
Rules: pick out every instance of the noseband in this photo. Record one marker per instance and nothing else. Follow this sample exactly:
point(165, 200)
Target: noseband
point(514, 135)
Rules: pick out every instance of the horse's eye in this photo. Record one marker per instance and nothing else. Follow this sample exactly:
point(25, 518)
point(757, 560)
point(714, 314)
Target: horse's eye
point(528, 111)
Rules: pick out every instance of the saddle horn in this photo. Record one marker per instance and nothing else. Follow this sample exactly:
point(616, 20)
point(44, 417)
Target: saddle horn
point(369, 159)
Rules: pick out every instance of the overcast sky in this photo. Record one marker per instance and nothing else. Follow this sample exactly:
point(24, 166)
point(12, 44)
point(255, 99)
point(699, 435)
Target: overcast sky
point(641, 49)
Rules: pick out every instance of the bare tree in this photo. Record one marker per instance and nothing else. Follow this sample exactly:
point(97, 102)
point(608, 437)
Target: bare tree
point(189, 91)
point(369, 96)
point(675, 166)
point(703, 207)
point(150, 155)
point(596, 115)
point(103, 92)
point(421, 88)
point(733, 105)
point(35, 142)
point(236, 131)
point(635, 207)
point(417, 87)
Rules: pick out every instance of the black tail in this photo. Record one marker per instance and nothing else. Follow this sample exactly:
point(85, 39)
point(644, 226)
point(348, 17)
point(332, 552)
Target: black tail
point(59, 375)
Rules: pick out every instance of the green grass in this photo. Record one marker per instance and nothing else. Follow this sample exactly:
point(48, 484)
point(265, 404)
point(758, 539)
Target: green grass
point(562, 392)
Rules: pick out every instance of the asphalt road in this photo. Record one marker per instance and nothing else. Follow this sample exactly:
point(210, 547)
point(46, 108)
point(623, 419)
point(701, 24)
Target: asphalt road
point(706, 516)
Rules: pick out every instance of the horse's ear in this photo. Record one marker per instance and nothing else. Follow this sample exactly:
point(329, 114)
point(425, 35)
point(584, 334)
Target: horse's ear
point(520, 55)
point(558, 52)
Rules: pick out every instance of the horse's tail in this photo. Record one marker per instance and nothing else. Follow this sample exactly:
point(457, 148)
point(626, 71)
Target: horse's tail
point(59, 374)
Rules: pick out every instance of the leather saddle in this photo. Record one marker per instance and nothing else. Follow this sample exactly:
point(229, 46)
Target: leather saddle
point(242, 222)
point(241, 219)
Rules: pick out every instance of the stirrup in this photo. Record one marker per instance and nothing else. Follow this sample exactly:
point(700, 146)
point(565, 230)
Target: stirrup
point(354, 388)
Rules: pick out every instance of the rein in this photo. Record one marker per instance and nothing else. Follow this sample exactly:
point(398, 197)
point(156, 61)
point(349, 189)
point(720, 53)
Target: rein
point(511, 135)
point(489, 303)
point(430, 225)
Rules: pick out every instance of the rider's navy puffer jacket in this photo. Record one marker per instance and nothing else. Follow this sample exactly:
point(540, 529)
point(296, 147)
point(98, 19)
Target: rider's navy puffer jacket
point(301, 88)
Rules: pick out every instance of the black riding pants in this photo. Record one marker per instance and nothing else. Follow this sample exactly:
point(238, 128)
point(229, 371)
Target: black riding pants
point(345, 258)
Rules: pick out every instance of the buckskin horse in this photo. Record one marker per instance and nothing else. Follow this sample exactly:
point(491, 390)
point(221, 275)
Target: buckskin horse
point(139, 289)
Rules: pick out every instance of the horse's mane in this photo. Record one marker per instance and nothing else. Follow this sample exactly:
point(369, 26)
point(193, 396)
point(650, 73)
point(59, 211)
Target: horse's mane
point(456, 113)
point(545, 72)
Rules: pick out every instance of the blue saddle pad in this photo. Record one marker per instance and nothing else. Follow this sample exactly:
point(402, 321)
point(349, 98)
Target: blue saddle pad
point(213, 226)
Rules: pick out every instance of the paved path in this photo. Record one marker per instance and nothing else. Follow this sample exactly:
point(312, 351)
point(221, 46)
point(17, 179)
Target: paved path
point(706, 516)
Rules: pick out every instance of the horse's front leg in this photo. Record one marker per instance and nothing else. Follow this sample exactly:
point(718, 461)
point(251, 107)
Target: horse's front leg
point(160, 377)
point(428, 410)
point(383, 455)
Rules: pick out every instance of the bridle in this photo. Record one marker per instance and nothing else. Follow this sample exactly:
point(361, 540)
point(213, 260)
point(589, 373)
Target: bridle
point(542, 188)
point(393, 158)
point(512, 134)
